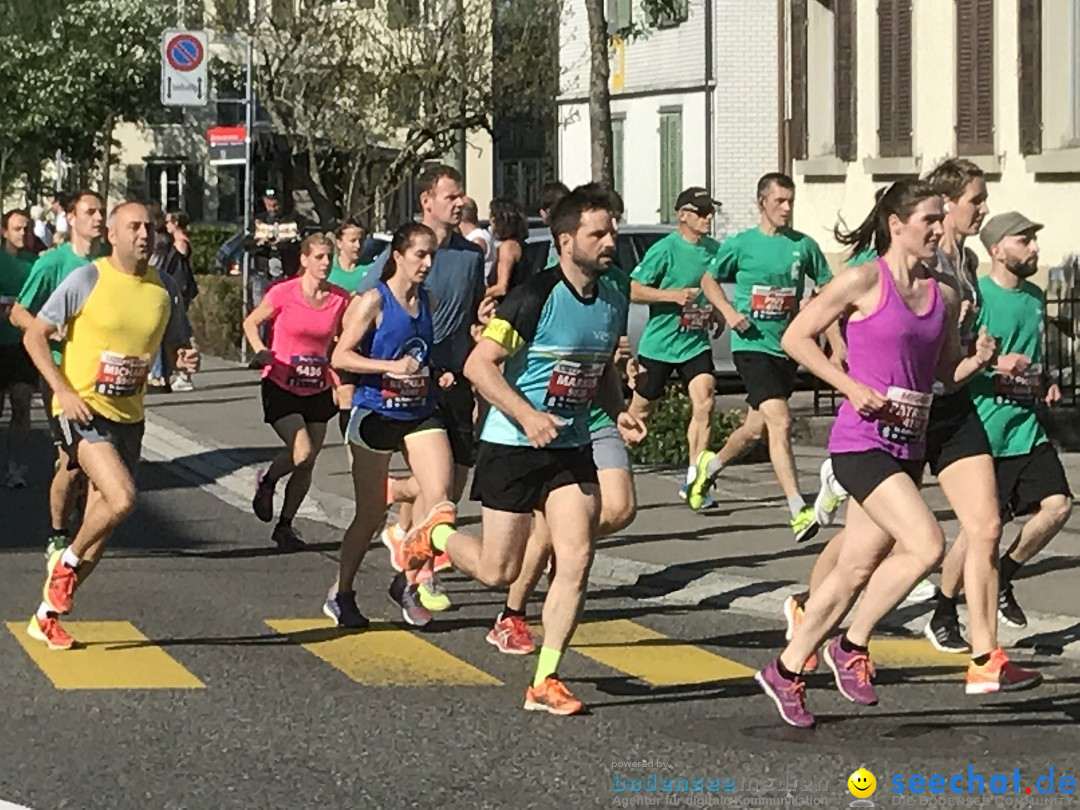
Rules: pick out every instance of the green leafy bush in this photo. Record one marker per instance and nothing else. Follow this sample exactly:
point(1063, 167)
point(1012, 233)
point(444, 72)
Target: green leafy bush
point(666, 442)
point(205, 241)
point(217, 315)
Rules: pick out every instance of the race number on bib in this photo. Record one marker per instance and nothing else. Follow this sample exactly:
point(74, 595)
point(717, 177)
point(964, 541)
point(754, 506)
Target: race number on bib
point(1023, 389)
point(771, 303)
point(121, 375)
point(406, 390)
point(6, 303)
point(573, 386)
point(307, 371)
point(905, 417)
point(695, 317)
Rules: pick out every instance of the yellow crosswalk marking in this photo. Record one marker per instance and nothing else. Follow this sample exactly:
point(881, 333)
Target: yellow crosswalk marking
point(901, 653)
point(111, 655)
point(653, 657)
point(382, 655)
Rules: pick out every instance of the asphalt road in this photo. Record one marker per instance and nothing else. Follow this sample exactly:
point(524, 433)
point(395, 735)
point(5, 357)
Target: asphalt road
point(244, 715)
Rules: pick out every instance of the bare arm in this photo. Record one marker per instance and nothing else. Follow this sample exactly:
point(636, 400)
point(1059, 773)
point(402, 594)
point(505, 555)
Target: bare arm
point(21, 317)
point(609, 396)
point(36, 341)
point(715, 294)
point(508, 254)
point(260, 315)
point(643, 294)
point(953, 367)
point(360, 318)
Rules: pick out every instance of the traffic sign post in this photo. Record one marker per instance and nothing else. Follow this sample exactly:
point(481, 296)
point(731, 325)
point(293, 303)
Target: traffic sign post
point(184, 79)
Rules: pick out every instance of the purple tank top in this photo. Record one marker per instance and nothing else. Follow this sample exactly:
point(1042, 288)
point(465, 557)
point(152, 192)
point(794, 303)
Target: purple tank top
point(895, 352)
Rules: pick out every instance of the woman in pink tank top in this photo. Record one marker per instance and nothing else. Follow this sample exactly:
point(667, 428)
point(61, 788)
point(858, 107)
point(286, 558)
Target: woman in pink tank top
point(902, 335)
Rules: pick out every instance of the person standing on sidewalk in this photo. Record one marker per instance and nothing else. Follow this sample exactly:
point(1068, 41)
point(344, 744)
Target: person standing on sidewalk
point(297, 399)
point(114, 314)
point(86, 217)
point(676, 337)
point(18, 378)
point(770, 265)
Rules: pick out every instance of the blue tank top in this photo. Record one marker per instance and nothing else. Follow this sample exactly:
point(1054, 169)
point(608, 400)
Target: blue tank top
point(398, 334)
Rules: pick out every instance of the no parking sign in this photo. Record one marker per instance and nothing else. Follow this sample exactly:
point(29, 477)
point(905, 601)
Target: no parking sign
point(184, 81)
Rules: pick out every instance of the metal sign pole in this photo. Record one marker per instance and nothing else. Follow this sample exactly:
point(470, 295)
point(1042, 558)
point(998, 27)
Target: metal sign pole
point(249, 184)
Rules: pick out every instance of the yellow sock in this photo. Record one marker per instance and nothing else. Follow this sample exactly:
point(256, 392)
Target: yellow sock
point(547, 664)
point(440, 534)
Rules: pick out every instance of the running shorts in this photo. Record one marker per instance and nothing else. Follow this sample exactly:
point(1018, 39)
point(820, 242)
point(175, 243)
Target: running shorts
point(456, 405)
point(1026, 481)
point(279, 403)
point(16, 367)
point(125, 437)
point(765, 376)
point(519, 479)
point(609, 451)
point(650, 385)
point(955, 431)
point(863, 472)
point(381, 434)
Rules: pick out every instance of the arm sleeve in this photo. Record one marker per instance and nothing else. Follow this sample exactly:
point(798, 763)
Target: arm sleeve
point(652, 267)
point(67, 300)
point(819, 267)
point(514, 325)
point(38, 285)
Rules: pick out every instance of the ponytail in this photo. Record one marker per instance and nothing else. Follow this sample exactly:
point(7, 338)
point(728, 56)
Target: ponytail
point(901, 199)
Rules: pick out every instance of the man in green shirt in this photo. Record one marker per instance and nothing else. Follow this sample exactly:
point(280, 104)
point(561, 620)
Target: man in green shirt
point(86, 227)
point(770, 265)
point(681, 318)
point(1030, 478)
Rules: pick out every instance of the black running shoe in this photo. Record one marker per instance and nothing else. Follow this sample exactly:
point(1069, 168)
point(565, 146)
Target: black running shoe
point(341, 607)
point(944, 633)
point(1008, 609)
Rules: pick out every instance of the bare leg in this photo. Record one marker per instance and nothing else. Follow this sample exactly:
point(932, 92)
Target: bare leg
point(369, 487)
point(701, 390)
point(778, 422)
point(572, 513)
point(743, 439)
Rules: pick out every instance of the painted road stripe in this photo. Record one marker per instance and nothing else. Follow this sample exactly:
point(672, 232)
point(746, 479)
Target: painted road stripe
point(111, 655)
point(382, 655)
point(653, 657)
point(904, 653)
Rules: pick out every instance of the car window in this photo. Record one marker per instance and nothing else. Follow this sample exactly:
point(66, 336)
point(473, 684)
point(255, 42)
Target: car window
point(645, 240)
point(625, 258)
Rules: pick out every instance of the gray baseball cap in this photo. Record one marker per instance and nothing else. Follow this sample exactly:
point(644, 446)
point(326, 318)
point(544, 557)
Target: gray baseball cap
point(1011, 223)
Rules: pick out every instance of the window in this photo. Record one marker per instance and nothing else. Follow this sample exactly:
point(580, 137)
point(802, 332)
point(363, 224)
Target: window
point(845, 108)
point(1031, 23)
point(669, 13)
point(975, 77)
point(165, 184)
point(670, 163)
point(230, 194)
point(620, 14)
point(894, 78)
point(799, 124)
point(824, 98)
point(618, 129)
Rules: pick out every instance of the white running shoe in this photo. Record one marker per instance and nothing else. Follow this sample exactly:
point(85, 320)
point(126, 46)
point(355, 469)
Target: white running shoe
point(924, 591)
point(182, 383)
point(829, 497)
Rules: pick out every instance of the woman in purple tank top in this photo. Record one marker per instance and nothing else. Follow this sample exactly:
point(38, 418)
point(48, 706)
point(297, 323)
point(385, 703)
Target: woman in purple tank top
point(902, 335)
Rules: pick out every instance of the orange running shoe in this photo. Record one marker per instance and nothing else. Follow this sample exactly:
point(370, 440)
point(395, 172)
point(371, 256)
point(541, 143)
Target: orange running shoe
point(552, 697)
point(999, 674)
point(391, 537)
point(793, 612)
point(512, 636)
point(59, 590)
point(416, 549)
point(50, 631)
point(443, 562)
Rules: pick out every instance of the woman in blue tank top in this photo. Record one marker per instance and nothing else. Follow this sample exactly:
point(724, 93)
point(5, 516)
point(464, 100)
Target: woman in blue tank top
point(386, 340)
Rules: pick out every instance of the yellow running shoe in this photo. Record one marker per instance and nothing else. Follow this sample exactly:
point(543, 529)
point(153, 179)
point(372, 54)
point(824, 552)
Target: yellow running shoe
point(433, 596)
point(699, 489)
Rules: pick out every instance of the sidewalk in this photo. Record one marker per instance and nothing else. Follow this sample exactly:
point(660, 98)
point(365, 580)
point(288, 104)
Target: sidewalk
point(740, 555)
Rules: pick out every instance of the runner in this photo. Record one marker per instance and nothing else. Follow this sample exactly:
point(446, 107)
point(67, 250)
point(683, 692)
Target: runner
point(18, 378)
point(388, 341)
point(556, 335)
point(769, 265)
point(676, 336)
point(306, 312)
point(878, 439)
point(1030, 478)
point(346, 272)
point(113, 314)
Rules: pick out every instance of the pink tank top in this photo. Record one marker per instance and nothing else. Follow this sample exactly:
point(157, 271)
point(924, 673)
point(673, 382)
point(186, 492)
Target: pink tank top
point(894, 351)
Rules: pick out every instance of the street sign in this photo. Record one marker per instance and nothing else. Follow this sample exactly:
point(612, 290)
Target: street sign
point(227, 146)
point(184, 80)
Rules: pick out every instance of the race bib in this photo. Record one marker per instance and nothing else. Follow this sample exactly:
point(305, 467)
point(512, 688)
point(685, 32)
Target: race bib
point(695, 317)
point(905, 417)
point(121, 375)
point(406, 390)
point(307, 371)
point(772, 303)
point(1023, 389)
point(6, 304)
point(573, 386)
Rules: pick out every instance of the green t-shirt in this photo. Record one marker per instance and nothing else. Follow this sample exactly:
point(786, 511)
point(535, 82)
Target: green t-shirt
point(770, 275)
point(48, 271)
point(348, 280)
point(868, 255)
point(598, 417)
point(13, 273)
point(1006, 404)
point(674, 333)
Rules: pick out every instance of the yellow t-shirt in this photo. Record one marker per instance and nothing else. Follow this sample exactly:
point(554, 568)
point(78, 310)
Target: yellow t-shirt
point(113, 325)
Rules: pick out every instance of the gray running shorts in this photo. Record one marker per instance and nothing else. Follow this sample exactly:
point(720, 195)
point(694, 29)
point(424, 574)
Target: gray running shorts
point(609, 450)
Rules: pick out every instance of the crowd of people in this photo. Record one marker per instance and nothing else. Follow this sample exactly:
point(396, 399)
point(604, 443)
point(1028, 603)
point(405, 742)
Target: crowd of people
point(448, 348)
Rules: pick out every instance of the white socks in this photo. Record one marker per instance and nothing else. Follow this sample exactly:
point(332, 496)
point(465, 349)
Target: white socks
point(69, 558)
point(691, 474)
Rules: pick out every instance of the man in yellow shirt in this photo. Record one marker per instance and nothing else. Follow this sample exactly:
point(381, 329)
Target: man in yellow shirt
point(113, 315)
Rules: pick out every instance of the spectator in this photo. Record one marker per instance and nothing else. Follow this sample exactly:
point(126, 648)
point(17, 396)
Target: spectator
point(471, 230)
point(511, 229)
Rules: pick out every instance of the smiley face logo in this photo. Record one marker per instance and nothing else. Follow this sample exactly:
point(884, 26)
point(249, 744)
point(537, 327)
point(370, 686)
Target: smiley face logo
point(862, 784)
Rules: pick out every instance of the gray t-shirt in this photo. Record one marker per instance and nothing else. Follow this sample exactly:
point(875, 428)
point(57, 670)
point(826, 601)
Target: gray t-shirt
point(456, 281)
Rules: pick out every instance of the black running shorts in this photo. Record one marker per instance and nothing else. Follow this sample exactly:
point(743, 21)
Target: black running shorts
point(519, 479)
point(862, 473)
point(651, 384)
point(379, 433)
point(765, 376)
point(955, 431)
point(1026, 481)
point(279, 403)
point(456, 405)
point(16, 367)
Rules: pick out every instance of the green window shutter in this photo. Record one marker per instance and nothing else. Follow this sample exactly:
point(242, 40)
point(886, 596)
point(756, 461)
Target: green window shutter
point(617, 135)
point(670, 164)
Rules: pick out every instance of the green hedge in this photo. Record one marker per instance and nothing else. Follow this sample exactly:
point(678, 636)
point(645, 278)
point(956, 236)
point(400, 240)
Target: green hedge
point(666, 442)
point(217, 315)
point(205, 241)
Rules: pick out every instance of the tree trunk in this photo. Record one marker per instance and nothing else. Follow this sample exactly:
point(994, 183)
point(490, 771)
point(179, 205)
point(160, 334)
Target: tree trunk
point(599, 94)
point(106, 154)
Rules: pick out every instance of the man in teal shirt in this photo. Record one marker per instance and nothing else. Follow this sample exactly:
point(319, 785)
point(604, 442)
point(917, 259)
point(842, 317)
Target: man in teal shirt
point(770, 265)
point(676, 336)
point(1030, 478)
point(86, 222)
